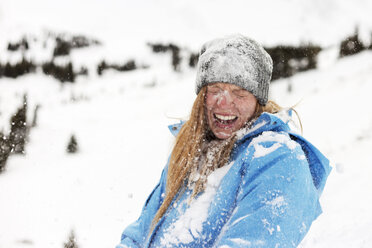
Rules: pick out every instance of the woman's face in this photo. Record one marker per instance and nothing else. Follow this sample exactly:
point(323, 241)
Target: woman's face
point(228, 108)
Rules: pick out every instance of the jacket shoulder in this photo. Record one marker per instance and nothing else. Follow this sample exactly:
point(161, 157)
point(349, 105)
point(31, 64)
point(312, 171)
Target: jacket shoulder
point(273, 155)
point(270, 143)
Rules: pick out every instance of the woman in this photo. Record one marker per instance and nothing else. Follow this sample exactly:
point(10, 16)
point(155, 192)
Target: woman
point(237, 176)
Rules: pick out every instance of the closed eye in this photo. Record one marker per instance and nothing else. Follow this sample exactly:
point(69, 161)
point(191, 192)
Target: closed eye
point(241, 93)
point(214, 90)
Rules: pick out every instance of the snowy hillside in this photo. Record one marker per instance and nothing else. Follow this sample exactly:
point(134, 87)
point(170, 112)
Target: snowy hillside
point(120, 119)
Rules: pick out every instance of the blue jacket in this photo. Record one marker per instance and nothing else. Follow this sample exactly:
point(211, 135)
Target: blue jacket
point(268, 196)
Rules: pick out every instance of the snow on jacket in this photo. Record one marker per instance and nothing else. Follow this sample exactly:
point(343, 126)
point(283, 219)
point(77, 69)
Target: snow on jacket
point(267, 196)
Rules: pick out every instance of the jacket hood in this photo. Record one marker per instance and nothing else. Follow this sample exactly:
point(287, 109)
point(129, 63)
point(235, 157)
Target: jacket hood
point(318, 163)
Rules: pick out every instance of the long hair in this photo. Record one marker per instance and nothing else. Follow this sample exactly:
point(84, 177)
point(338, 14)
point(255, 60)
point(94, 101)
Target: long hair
point(189, 148)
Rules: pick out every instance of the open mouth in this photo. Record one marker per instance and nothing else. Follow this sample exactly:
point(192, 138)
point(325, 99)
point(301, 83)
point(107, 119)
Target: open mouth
point(225, 120)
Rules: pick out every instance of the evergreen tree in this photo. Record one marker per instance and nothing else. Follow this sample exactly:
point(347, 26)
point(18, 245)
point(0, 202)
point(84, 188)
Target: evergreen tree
point(70, 73)
point(351, 45)
point(72, 146)
point(101, 67)
point(71, 243)
point(19, 130)
point(193, 59)
point(176, 58)
point(5, 150)
point(288, 60)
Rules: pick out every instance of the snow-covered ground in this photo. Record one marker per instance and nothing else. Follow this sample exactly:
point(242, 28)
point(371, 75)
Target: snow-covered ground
point(120, 120)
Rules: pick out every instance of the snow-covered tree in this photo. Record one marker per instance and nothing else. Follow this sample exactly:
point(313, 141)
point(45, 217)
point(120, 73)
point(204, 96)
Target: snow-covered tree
point(71, 243)
point(72, 146)
point(19, 130)
point(5, 150)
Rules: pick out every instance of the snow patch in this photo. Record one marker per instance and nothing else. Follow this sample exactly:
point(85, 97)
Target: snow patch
point(270, 136)
point(247, 130)
point(241, 241)
point(284, 115)
point(277, 202)
point(268, 226)
point(123, 246)
point(190, 225)
point(261, 151)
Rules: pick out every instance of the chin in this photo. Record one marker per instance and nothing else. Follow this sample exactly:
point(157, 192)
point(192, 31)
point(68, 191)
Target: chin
point(222, 134)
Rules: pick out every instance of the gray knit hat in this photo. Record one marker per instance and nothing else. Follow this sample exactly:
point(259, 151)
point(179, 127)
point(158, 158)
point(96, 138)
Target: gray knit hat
point(236, 60)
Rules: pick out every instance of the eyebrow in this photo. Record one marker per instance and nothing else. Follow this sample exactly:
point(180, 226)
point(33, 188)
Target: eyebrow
point(239, 90)
point(214, 86)
point(217, 86)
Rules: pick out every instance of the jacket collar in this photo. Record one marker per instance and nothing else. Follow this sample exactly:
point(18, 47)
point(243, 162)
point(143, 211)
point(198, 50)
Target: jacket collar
point(265, 122)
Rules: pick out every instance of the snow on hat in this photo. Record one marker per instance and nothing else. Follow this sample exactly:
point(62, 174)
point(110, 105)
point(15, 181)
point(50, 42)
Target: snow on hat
point(236, 60)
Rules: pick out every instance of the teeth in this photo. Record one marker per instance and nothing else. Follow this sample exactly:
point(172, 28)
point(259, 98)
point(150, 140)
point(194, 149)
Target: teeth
point(225, 117)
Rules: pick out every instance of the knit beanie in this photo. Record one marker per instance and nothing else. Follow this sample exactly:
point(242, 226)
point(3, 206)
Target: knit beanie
point(236, 60)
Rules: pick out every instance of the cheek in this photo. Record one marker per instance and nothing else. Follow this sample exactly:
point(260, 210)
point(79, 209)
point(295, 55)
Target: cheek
point(210, 101)
point(247, 109)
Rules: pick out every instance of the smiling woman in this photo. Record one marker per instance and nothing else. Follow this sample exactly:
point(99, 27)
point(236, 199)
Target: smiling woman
point(228, 107)
point(237, 175)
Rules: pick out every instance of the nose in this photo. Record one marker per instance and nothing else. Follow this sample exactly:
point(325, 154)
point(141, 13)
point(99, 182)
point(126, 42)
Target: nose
point(225, 99)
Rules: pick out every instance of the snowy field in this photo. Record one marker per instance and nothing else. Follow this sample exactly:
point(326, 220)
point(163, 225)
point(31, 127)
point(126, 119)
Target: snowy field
point(120, 119)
